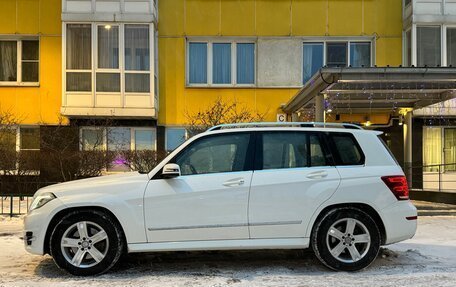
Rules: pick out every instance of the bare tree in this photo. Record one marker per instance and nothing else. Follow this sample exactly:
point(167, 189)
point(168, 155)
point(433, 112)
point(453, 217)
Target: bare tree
point(143, 160)
point(221, 112)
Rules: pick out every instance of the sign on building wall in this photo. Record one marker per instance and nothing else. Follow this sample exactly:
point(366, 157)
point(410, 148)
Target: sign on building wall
point(281, 118)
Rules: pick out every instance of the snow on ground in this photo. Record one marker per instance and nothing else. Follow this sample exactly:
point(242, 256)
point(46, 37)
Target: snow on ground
point(429, 259)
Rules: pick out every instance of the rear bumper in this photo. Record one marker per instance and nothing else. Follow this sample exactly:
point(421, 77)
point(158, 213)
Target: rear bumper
point(400, 221)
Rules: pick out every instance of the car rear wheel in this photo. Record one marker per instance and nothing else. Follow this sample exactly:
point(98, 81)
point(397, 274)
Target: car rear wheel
point(346, 239)
point(86, 243)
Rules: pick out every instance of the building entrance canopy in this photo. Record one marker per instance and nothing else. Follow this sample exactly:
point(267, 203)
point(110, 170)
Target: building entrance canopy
point(351, 90)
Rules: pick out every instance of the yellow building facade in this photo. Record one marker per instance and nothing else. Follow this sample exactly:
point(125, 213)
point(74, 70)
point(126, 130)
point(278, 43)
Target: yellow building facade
point(271, 26)
point(31, 89)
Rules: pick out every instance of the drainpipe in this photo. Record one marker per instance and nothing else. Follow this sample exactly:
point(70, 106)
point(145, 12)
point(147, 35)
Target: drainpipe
point(320, 108)
point(407, 129)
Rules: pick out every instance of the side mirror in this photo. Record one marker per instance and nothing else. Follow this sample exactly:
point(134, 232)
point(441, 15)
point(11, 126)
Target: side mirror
point(171, 170)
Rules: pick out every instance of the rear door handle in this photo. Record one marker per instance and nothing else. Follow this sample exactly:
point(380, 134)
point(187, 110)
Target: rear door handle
point(234, 182)
point(317, 174)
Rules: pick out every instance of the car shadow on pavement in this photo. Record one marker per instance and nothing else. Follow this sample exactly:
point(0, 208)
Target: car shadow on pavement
point(240, 265)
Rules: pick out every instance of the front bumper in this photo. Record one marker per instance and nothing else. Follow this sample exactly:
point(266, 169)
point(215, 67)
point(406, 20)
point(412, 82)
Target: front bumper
point(400, 221)
point(36, 223)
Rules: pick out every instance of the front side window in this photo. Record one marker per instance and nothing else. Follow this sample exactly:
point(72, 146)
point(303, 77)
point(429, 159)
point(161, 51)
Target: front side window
point(291, 150)
point(231, 63)
point(19, 61)
point(215, 154)
point(428, 46)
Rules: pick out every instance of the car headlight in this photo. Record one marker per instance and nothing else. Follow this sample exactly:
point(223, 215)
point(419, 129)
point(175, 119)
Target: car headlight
point(41, 200)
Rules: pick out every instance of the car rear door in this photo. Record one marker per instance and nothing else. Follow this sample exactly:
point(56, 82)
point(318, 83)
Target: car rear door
point(293, 176)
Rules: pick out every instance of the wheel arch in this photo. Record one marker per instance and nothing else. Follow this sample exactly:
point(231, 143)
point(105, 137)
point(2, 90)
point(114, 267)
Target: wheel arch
point(62, 213)
point(362, 206)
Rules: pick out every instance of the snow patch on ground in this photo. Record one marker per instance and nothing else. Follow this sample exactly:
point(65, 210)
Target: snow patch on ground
point(429, 259)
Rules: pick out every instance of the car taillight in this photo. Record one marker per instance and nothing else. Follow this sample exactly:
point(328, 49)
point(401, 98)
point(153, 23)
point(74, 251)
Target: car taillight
point(398, 186)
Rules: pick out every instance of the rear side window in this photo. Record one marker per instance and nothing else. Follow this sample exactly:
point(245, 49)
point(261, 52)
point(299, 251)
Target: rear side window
point(290, 150)
point(346, 149)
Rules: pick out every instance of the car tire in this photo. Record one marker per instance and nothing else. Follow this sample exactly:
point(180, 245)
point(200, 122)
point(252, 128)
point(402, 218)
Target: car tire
point(346, 239)
point(86, 243)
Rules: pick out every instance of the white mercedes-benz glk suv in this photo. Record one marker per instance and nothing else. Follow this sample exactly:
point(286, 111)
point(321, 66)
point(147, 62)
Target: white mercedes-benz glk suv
point(334, 188)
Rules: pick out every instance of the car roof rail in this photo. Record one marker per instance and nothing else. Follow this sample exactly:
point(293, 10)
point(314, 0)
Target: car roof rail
point(285, 124)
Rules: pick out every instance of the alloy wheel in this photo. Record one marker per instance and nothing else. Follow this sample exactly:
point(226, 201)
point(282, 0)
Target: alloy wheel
point(348, 240)
point(84, 244)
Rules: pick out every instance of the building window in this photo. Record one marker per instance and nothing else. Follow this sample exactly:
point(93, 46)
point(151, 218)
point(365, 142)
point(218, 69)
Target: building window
point(360, 54)
point(137, 59)
point(451, 46)
point(118, 140)
point(428, 43)
point(126, 71)
point(175, 137)
point(78, 58)
point(335, 54)
point(408, 48)
point(312, 59)
point(197, 59)
point(145, 139)
point(221, 63)
point(20, 148)
point(19, 62)
point(245, 63)
point(92, 139)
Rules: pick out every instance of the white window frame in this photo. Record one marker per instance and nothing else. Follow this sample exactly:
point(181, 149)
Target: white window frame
point(94, 63)
point(210, 43)
point(121, 58)
point(19, 82)
point(348, 41)
point(105, 135)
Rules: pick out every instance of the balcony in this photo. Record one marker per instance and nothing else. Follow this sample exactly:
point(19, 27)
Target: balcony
point(429, 11)
point(110, 10)
point(109, 70)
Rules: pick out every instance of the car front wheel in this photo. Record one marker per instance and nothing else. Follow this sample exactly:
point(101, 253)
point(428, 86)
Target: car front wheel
point(346, 239)
point(86, 243)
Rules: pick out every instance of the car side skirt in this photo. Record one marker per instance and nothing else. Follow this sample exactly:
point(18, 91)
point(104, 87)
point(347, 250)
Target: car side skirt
point(242, 244)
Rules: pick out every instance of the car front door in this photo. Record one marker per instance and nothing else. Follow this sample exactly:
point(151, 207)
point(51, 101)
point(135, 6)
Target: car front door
point(293, 176)
point(209, 200)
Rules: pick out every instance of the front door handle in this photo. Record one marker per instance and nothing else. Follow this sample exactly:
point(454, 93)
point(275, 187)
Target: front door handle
point(234, 182)
point(317, 174)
